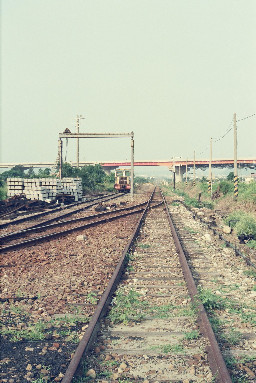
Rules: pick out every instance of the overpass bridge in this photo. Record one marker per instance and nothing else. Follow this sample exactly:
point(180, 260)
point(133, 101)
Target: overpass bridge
point(178, 165)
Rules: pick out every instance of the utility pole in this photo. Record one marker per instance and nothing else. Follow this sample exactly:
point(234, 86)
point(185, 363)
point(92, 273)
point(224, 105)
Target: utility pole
point(235, 159)
point(194, 181)
point(186, 172)
point(78, 118)
point(210, 170)
point(132, 165)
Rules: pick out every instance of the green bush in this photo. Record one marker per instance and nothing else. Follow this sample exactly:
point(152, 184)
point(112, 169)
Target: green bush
point(247, 192)
point(233, 218)
point(204, 186)
point(252, 244)
point(246, 227)
point(226, 187)
point(230, 176)
point(3, 192)
point(243, 223)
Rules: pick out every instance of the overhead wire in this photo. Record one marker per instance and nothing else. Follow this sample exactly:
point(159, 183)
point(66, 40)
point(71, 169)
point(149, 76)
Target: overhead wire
point(230, 127)
point(245, 118)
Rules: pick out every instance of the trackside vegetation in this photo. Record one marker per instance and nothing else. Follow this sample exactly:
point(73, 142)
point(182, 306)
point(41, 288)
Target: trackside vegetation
point(240, 214)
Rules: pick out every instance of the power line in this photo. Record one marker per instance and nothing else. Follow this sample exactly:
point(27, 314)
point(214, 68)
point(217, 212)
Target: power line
point(245, 118)
point(221, 137)
point(230, 127)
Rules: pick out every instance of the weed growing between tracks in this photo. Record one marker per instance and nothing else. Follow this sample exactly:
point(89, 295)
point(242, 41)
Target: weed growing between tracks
point(127, 307)
point(170, 348)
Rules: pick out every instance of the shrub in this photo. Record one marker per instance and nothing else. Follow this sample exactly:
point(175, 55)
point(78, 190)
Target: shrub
point(252, 244)
point(226, 187)
point(246, 228)
point(233, 218)
point(230, 176)
point(3, 192)
point(247, 192)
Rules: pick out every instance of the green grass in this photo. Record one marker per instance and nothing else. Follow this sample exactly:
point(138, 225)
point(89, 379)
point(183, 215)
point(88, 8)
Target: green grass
point(251, 244)
point(234, 217)
point(232, 337)
point(190, 311)
point(175, 203)
point(190, 230)
point(250, 273)
point(247, 192)
point(32, 332)
point(92, 298)
point(17, 309)
point(164, 311)
point(38, 331)
point(168, 348)
point(244, 225)
point(127, 307)
point(194, 334)
point(143, 245)
point(210, 300)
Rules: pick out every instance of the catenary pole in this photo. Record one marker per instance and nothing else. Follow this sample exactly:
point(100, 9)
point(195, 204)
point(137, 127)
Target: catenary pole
point(210, 170)
point(187, 172)
point(132, 165)
point(235, 159)
point(194, 181)
point(77, 141)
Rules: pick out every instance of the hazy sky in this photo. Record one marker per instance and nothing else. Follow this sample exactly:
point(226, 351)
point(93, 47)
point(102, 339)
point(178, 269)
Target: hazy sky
point(172, 71)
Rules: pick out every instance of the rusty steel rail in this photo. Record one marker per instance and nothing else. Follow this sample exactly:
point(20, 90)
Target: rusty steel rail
point(60, 209)
point(12, 210)
point(36, 240)
point(91, 332)
point(42, 227)
point(217, 363)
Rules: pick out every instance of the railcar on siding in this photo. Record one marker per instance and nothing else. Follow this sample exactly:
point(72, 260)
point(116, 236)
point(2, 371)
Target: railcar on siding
point(123, 180)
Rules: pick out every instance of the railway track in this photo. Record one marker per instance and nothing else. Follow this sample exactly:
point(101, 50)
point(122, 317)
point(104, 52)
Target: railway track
point(156, 328)
point(151, 333)
point(57, 213)
point(63, 227)
point(50, 291)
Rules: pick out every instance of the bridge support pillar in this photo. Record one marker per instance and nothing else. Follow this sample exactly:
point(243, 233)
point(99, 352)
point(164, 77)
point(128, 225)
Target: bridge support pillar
point(107, 169)
point(179, 172)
